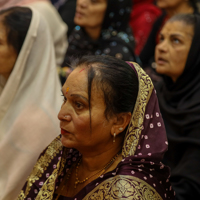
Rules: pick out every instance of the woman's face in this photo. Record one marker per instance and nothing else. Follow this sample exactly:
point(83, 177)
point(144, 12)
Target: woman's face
point(166, 4)
point(8, 55)
point(75, 118)
point(172, 51)
point(90, 13)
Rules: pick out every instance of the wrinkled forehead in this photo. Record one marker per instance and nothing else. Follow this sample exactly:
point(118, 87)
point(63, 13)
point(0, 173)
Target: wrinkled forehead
point(178, 28)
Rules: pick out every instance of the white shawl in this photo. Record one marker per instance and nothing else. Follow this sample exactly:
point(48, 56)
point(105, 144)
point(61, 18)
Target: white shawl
point(57, 26)
point(29, 103)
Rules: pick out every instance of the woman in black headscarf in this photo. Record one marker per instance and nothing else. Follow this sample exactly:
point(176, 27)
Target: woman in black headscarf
point(178, 59)
point(102, 29)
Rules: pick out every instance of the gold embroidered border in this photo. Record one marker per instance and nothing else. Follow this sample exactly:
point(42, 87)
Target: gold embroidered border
point(47, 190)
point(123, 187)
point(135, 126)
point(41, 166)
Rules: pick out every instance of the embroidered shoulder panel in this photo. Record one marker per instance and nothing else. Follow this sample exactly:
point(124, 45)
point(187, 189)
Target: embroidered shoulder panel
point(123, 187)
point(135, 126)
point(41, 165)
point(48, 188)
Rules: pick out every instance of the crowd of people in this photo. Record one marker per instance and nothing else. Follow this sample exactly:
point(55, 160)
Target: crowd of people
point(99, 99)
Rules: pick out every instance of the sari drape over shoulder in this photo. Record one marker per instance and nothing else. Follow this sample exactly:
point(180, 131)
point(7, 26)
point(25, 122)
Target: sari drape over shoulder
point(139, 175)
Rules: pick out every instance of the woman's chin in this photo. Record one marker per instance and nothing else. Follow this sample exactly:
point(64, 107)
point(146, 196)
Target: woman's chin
point(160, 69)
point(66, 142)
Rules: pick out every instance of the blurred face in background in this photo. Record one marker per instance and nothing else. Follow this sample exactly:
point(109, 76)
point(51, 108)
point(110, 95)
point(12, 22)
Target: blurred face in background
point(172, 50)
point(8, 55)
point(90, 13)
point(167, 4)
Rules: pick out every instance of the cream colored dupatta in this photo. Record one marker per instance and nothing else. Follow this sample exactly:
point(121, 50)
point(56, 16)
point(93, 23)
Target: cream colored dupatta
point(29, 103)
point(58, 28)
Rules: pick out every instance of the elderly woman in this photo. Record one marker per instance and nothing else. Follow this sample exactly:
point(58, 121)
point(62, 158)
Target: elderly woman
point(112, 138)
point(170, 8)
point(29, 95)
point(178, 61)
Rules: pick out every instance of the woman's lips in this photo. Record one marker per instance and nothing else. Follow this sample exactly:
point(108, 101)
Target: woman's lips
point(79, 14)
point(161, 61)
point(64, 132)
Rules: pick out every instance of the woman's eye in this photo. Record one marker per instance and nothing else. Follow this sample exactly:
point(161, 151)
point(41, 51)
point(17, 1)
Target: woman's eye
point(161, 39)
point(78, 105)
point(176, 41)
point(64, 98)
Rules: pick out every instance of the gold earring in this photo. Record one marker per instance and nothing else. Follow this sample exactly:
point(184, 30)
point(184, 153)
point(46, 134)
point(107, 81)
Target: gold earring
point(114, 137)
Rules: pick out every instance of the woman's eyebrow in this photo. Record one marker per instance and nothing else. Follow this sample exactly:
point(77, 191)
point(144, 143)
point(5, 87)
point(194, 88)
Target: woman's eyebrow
point(80, 96)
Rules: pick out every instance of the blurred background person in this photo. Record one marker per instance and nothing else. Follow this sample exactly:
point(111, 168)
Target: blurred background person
point(143, 15)
point(102, 29)
point(56, 25)
point(177, 57)
point(30, 95)
point(170, 8)
point(67, 11)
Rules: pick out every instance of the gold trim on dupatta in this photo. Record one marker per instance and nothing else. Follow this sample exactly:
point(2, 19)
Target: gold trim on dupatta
point(48, 187)
point(126, 186)
point(123, 187)
point(136, 124)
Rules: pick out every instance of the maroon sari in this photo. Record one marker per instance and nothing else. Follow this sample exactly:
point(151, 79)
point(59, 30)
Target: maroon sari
point(140, 174)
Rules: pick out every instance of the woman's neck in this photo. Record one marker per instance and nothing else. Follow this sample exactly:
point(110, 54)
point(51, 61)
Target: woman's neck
point(92, 163)
point(183, 8)
point(94, 33)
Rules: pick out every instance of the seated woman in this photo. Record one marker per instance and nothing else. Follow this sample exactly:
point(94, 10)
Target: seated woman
point(103, 29)
point(29, 95)
point(178, 60)
point(112, 138)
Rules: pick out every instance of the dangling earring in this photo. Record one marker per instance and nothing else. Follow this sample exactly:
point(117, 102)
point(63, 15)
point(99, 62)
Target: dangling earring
point(114, 137)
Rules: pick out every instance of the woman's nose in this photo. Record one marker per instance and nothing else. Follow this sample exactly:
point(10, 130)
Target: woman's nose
point(82, 3)
point(162, 46)
point(64, 115)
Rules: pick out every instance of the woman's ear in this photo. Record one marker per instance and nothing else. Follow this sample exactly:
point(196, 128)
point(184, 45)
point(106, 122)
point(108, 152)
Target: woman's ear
point(121, 122)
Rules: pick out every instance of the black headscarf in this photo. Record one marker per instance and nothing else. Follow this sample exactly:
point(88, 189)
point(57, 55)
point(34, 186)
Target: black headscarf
point(180, 107)
point(116, 37)
point(117, 14)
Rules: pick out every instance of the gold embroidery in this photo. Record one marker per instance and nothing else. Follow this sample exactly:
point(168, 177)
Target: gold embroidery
point(48, 188)
point(135, 126)
point(123, 187)
point(41, 165)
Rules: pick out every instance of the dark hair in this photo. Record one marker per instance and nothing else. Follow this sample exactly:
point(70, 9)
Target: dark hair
point(17, 21)
point(188, 19)
point(116, 79)
point(193, 3)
